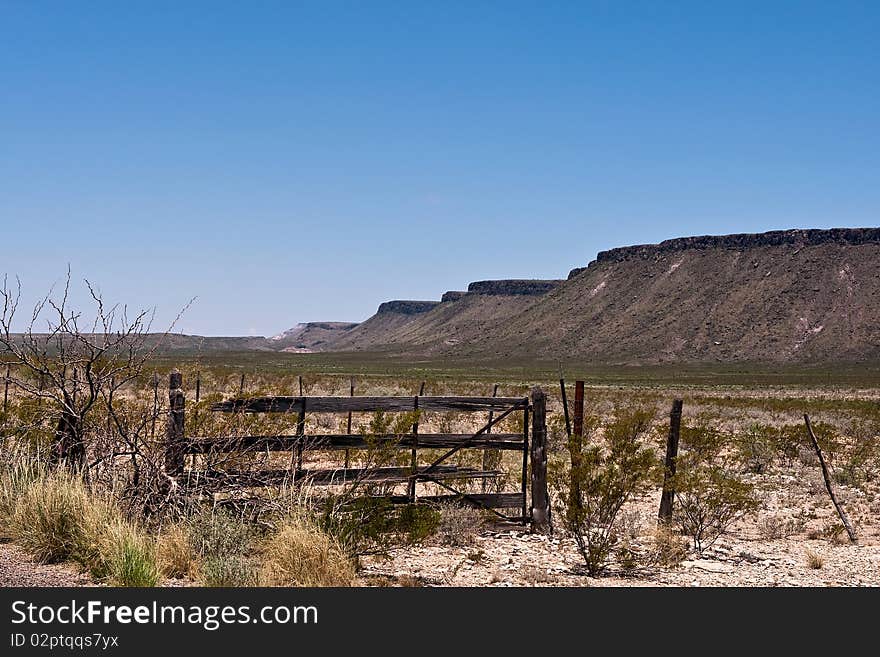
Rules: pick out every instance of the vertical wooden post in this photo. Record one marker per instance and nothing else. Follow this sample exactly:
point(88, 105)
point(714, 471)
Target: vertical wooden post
point(241, 385)
point(490, 456)
point(300, 385)
point(198, 386)
point(840, 512)
point(6, 389)
point(174, 437)
point(300, 436)
point(540, 497)
point(526, 516)
point(348, 428)
point(565, 407)
point(414, 453)
point(575, 446)
point(668, 496)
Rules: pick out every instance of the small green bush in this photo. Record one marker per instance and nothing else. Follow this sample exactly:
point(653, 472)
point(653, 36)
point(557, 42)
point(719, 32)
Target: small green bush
point(231, 571)
point(601, 479)
point(133, 562)
point(709, 500)
point(221, 545)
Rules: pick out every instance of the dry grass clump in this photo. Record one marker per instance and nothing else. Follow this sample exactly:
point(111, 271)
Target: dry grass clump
point(56, 518)
point(533, 576)
point(129, 555)
point(668, 548)
point(459, 526)
point(814, 560)
point(174, 551)
point(299, 553)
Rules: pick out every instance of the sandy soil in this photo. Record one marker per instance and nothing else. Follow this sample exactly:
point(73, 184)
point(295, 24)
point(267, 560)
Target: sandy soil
point(19, 569)
point(746, 556)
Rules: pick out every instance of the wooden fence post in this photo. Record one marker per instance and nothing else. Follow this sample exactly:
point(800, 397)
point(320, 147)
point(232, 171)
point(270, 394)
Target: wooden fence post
point(668, 496)
point(575, 445)
point(491, 457)
point(174, 436)
point(565, 407)
point(540, 498)
point(414, 454)
point(840, 512)
point(348, 430)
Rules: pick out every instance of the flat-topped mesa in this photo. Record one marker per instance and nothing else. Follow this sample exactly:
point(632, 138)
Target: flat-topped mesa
point(403, 307)
point(513, 287)
point(797, 238)
point(330, 326)
point(452, 295)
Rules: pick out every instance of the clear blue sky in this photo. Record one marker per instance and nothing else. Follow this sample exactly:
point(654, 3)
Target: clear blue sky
point(290, 161)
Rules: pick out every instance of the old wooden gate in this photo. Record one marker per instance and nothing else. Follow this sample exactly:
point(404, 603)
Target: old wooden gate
point(530, 501)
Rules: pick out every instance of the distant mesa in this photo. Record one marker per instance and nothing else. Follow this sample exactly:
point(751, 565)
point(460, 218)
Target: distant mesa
point(400, 307)
point(304, 327)
point(452, 295)
point(797, 237)
point(789, 296)
point(513, 287)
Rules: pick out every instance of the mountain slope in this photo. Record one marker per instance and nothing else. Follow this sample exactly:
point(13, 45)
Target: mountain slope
point(310, 336)
point(785, 296)
point(460, 318)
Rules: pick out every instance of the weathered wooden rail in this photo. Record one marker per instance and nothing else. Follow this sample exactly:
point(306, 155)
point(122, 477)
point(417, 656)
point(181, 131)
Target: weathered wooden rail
point(531, 499)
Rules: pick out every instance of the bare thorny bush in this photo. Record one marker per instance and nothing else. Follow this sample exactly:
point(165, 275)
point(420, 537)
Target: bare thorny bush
point(710, 495)
point(72, 374)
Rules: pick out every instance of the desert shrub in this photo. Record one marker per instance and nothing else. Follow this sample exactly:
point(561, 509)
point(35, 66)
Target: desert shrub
point(601, 479)
point(626, 557)
point(217, 533)
point(667, 549)
point(557, 435)
point(860, 456)
point(372, 525)
point(774, 527)
point(757, 448)
point(231, 571)
point(459, 526)
point(221, 545)
point(700, 439)
point(789, 441)
point(709, 500)
point(300, 553)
